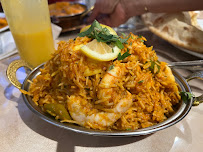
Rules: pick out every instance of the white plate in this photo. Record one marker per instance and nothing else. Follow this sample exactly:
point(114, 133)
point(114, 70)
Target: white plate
point(189, 52)
point(2, 15)
point(200, 22)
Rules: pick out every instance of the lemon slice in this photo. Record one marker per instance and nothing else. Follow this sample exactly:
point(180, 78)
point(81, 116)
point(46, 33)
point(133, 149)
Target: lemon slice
point(111, 30)
point(100, 51)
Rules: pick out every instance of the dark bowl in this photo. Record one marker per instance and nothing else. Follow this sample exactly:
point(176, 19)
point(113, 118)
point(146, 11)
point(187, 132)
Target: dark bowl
point(70, 22)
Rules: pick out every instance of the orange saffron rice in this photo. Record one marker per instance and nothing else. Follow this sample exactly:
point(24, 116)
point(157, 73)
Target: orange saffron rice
point(153, 88)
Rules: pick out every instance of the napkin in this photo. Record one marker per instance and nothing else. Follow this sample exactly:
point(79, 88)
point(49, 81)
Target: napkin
point(7, 43)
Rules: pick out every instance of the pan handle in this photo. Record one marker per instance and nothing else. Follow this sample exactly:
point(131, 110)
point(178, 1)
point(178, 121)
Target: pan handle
point(198, 100)
point(196, 75)
point(12, 69)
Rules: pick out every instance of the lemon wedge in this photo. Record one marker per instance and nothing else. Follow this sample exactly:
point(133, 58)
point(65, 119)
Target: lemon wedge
point(111, 30)
point(100, 51)
point(105, 45)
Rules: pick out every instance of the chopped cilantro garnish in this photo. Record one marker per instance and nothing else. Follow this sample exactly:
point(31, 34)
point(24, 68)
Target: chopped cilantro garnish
point(103, 35)
point(124, 40)
point(112, 50)
point(186, 96)
point(151, 68)
point(111, 67)
point(125, 55)
point(123, 34)
point(119, 44)
point(88, 89)
point(142, 40)
point(153, 64)
point(141, 81)
point(140, 36)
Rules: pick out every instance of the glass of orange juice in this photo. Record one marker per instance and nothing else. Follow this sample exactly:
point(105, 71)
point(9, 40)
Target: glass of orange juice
point(30, 25)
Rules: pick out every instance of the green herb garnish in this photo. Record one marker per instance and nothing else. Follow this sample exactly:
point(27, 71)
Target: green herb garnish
point(125, 40)
point(141, 81)
point(111, 67)
point(140, 36)
point(88, 89)
point(119, 44)
point(103, 35)
point(153, 64)
point(123, 34)
point(142, 40)
point(125, 55)
point(186, 96)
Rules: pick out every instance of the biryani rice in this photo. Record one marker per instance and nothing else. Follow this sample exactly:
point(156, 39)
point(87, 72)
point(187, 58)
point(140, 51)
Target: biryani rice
point(151, 83)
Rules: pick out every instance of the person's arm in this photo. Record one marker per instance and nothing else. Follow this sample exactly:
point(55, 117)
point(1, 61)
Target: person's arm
point(138, 7)
point(116, 12)
point(109, 12)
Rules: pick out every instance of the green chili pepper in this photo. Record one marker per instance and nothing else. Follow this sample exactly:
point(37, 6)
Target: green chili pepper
point(57, 110)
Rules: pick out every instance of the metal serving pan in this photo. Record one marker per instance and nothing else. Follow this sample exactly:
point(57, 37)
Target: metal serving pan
point(182, 111)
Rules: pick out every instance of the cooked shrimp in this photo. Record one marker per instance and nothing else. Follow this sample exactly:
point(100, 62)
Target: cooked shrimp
point(84, 113)
point(169, 73)
point(107, 87)
point(166, 76)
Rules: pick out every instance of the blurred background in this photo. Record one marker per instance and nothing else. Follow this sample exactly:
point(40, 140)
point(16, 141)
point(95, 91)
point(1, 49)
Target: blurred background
point(89, 3)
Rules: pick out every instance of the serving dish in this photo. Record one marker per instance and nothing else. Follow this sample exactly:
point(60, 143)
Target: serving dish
point(182, 111)
point(71, 22)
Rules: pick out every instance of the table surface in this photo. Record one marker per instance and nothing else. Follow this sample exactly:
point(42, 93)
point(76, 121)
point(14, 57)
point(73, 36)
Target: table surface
point(21, 130)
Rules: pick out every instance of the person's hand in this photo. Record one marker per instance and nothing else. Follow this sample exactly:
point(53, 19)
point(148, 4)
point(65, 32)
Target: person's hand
point(109, 12)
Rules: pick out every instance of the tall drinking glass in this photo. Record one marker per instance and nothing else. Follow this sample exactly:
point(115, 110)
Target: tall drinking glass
point(29, 23)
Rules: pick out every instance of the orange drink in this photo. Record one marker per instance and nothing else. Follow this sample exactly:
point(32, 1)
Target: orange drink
point(30, 25)
point(34, 47)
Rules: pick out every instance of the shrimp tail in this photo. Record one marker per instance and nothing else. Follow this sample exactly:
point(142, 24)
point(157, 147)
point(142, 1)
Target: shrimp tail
point(84, 113)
